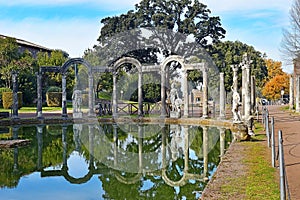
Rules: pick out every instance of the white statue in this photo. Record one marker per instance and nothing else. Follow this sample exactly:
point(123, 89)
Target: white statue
point(173, 96)
point(235, 107)
point(76, 101)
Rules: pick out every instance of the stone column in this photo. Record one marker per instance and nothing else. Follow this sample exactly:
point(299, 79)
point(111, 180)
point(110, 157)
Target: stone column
point(222, 97)
point(64, 96)
point(140, 94)
point(235, 69)
point(291, 102)
point(244, 75)
point(186, 95)
point(247, 102)
point(297, 94)
point(114, 100)
point(39, 109)
point(253, 94)
point(91, 96)
point(15, 105)
point(205, 94)
point(163, 113)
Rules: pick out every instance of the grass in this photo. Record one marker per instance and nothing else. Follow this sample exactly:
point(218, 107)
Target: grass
point(261, 179)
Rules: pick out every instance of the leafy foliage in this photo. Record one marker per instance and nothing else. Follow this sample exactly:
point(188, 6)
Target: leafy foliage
point(272, 89)
point(7, 100)
point(228, 53)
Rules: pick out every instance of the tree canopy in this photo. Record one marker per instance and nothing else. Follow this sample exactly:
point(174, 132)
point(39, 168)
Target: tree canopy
point(183, 16)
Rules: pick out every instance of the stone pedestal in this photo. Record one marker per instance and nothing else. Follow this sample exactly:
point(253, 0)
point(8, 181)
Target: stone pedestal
point(175, 114)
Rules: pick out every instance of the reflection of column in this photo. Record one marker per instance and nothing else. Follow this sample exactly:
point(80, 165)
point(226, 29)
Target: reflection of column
point(222, 142)
point(186, 94)
point(15, 130)
point(15, 95)
point(205, 94)
point(140, 142)
point(39, 136)
point(91, 96)
point(222, 97)
point(65, 146)
point(163, 113)
point(39, 96)
point(64, 96)
point(114, 100)
point(163, 145)
point(91, 146)
point(115, 127)
point(140, 94)
point(186, 148)
point(205, 151)
point(291, 103)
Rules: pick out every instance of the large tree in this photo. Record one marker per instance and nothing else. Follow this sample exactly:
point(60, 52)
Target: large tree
point(290, 45)
point(183, 16)
point(229, 53)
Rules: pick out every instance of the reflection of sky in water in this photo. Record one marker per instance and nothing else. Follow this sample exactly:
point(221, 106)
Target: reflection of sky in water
point(79, 165)
point(53, 188)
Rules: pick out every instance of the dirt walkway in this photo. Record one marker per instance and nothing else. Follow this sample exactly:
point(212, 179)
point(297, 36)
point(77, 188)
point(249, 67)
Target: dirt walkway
point(289, 123)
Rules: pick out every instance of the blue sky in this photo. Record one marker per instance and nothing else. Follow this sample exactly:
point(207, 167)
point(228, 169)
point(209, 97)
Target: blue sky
point(74, 25)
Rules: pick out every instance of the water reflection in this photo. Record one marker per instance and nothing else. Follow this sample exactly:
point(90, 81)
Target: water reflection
point(129, 161)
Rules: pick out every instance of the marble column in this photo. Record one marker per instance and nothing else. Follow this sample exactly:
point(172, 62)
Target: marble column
point(163, 113)
point(244, 80)
point(64, 96)
point(39, 109)
point(205, 94)
point(140, 94)
point(291, 102)
point(91, 112)
point(114, 100)
point(235, 69)
point(15, 104)
point(253, 94)
point(222, 97)
point(186, 95)
point(247, 102)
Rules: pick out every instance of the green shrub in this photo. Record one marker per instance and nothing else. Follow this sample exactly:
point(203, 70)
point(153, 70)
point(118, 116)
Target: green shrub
point(7, 100)
point(1, 91)
point(54, 99)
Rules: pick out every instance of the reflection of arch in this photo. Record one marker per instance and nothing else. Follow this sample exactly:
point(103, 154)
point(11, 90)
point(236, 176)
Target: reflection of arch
point(131, 180)
point(64, 172)
point(117, 65)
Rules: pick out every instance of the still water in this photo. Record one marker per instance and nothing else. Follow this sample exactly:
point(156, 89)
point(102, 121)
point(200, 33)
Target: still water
point(110, 161)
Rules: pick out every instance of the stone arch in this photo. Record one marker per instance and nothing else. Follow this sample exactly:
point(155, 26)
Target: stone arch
point(116, 66)
point(164, 78)
point(63, 71)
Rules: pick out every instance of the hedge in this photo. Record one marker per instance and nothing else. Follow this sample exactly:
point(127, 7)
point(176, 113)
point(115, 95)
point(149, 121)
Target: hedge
point(7, 100)
point(54, 99)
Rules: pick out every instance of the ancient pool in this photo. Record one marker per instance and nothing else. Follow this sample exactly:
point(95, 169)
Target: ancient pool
point(110, 161)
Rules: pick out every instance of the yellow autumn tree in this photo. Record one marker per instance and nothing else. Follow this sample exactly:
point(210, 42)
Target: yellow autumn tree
point(274, 69)
point(272, 89)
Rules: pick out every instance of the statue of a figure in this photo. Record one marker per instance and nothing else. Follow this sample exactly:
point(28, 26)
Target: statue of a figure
point(177, 142)
point(235, 106)
point(173, 96)
point(76, 101)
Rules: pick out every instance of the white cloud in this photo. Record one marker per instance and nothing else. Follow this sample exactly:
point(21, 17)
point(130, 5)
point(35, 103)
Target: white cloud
point(105, 3)
point(217, 6)
point(72, 35)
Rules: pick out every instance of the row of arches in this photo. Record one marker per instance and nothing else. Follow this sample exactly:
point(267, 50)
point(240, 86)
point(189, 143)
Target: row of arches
point(163, 70)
